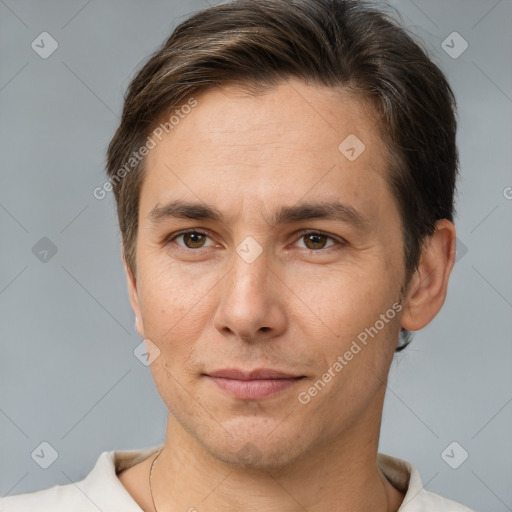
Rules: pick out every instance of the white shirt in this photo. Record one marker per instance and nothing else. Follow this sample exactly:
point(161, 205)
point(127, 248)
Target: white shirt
point(101, 490)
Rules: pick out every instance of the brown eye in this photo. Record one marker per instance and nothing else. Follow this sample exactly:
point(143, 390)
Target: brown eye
point(316, 241)
point(191, 239)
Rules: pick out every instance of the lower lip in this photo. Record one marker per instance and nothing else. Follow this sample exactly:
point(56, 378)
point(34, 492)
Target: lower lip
point(256, 389)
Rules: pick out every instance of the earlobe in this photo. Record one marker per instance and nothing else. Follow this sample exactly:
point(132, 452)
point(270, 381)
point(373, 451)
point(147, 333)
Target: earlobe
point(133, 295)
point(429, 284)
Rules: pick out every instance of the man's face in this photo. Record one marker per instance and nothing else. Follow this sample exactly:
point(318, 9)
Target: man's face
point(247, 293)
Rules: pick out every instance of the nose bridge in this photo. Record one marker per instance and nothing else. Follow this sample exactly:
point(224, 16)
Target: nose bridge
point(250, 273)
point(250, 270)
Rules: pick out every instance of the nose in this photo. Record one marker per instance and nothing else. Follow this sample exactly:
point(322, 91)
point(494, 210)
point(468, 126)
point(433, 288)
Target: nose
point(252, 301)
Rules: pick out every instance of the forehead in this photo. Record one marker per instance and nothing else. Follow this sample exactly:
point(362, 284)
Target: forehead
point(290, 141)
point(316, 116)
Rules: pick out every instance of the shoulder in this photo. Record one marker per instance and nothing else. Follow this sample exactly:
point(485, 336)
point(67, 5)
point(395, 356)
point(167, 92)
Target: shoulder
point(78, 496)
point(429, 501)
point(54, 499)
point(406, 478)
point(101, 489)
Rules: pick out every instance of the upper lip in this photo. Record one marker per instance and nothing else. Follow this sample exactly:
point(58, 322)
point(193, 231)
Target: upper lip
point(258, 373)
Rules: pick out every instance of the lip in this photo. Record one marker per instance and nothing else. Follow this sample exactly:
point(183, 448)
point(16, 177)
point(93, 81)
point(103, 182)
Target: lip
point(254, 384)
point(256, 374)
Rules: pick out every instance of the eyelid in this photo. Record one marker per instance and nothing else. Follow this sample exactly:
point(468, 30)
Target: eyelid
point(298, 235)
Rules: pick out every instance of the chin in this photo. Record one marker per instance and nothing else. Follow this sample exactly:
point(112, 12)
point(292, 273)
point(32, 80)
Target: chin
point(257, 448)
point(260, 457)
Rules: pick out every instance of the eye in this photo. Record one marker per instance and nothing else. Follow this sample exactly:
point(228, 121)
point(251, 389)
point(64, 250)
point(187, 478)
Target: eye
point(316, 240)
point(192, 239)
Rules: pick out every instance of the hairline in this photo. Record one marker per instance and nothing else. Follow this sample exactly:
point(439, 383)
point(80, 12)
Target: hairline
point(254, 87)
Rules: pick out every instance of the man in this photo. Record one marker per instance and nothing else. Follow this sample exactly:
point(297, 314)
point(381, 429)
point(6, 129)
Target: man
point(284, 176)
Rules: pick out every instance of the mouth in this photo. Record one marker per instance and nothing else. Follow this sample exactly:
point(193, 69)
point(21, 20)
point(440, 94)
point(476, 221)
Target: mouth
point(254, 384)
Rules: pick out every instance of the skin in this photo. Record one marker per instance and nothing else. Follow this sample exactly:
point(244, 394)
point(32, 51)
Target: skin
point(296, 307)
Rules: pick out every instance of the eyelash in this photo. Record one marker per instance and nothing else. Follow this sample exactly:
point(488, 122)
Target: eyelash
point(338, 242)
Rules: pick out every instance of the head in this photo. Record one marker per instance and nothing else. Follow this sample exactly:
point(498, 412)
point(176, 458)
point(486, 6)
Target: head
point(256, 108)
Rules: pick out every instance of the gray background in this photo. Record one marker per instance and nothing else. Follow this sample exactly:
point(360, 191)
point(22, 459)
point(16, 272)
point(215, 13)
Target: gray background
point(68, 375)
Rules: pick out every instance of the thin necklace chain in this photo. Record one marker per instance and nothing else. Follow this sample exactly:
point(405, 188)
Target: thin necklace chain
point(153, 499)
point(150, 472)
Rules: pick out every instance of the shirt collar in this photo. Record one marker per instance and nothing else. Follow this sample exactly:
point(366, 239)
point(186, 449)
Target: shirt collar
point(400, 473)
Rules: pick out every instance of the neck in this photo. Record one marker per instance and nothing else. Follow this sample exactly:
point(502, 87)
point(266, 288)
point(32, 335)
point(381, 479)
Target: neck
point(342, 475)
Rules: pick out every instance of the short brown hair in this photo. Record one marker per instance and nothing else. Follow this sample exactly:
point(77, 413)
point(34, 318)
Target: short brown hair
point(345, 44)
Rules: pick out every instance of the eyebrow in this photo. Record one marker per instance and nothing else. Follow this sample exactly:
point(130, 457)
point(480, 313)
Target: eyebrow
point(331, 210)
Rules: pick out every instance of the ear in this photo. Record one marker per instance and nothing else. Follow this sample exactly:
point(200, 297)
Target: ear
point(429, 284)
point(132, 292)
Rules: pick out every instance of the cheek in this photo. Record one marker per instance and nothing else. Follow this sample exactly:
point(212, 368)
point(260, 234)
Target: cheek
point(355, 363)
point(358, 309)
point(352, 298)
point(173, 321)
point(172, 316)
point(177, 391)
point(167, 294)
